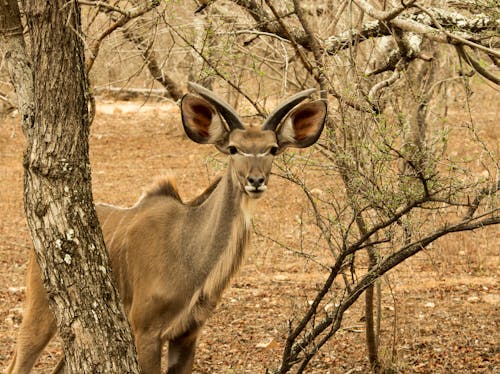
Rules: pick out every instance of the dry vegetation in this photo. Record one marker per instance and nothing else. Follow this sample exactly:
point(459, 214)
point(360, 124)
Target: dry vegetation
point(440, 308)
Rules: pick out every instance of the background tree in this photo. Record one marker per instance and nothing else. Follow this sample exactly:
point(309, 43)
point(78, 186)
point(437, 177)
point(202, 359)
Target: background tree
point(58, 200)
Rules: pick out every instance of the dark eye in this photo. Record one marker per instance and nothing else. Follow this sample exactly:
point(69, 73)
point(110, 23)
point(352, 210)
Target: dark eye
point(232, 149)
point(273, 151)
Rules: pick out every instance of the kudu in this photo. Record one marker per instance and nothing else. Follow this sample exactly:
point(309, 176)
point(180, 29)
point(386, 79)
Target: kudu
point(172, 260)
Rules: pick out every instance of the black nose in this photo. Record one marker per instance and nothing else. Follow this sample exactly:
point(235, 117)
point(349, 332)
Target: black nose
point(256, 181)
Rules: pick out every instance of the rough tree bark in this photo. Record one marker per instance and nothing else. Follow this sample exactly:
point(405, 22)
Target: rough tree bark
point(58, 199)
point(13, 50)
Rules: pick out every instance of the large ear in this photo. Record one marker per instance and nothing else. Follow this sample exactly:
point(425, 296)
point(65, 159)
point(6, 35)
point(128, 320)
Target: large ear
point(303, 125)
point(201, 121)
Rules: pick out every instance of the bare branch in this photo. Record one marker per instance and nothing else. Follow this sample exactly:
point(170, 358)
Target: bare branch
point(295, 45)
point(150, 57)
point(159, 92)
point(456, 39)
point(315, 49)
point(312, 45)
point(476, 65)
point(107, 6)
point(389, 65)
point(409, 44)
point(203, 4)
point(372, 29)
point(487, 191)
point(470, 29)
point(333, 320)
point(474, 6)
point(122, 21)
point(6, 100)
point(380, 15)
point(260, 110)
point(374, 92)
point(267, 24)
point(261, 33)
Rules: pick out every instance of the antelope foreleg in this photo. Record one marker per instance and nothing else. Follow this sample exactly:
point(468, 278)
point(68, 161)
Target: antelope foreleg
point(37, 327)
point(181, 353)
point(148, 344)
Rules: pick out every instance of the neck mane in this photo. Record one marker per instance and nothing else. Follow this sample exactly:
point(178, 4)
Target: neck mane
point(225, 212)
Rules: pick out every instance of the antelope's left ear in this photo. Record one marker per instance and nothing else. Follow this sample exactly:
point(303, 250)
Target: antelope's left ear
point(201, 121)
point(303, 125)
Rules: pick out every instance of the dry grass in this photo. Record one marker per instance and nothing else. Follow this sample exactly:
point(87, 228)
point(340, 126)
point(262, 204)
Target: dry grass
point(440, 309)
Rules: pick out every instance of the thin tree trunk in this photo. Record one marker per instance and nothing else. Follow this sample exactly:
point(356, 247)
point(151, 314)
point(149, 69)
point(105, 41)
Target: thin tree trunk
point(372, 338)
point(370, 325)
point(58, 200)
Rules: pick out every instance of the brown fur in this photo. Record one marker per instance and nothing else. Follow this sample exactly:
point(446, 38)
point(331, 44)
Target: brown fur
point(205, 194)
point(172, 260)
point(167, 186)
point(164, 186)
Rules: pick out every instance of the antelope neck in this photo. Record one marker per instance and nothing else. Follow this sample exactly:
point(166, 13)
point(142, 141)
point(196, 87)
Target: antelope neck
point(223, 234)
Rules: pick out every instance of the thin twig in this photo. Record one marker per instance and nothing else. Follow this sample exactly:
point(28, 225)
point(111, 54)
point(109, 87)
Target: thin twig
point(295, 46)
point(105, 5)
point(381, 15)
point(260, 110)
point(122, 21)
point(334, 320)
point(261, 33)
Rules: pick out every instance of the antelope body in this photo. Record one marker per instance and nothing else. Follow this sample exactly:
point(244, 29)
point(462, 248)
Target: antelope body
point(172, 260)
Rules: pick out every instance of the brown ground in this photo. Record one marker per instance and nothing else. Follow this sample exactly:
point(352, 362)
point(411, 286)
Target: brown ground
point(446, 300)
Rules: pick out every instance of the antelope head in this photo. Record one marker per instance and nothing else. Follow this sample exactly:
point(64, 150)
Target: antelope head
point(207, 119)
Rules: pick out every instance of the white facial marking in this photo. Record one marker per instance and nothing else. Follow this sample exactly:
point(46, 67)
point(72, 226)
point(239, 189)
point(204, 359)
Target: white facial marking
point(261, 188)
point(254, 154)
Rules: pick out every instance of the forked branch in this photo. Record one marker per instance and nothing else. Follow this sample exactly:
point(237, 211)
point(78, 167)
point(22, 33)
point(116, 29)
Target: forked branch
point(126, 16)
point(302, 350)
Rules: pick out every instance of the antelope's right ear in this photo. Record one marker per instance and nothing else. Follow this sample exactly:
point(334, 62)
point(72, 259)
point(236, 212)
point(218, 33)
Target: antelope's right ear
point(202, 122)
point(303, 126)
